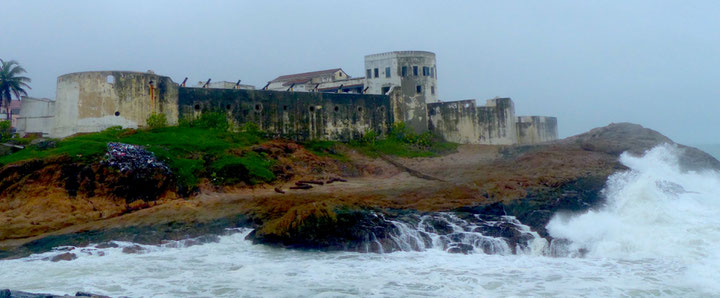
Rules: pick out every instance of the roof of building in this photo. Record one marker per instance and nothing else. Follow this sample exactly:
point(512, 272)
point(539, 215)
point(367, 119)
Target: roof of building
point(299, 78)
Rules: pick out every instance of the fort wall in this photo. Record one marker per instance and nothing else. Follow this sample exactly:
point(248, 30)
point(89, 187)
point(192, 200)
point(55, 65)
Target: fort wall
point(536, 129)
point(93, 101)
point(463, 122)
point(296, 115)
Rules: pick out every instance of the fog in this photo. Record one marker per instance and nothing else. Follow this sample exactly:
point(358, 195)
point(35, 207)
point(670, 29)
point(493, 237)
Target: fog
point(589, 63)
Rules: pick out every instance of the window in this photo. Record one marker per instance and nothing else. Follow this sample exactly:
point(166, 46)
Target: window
point(435, 67)
point(376, 72)
point(404, 71)
point(432, 72)
point(432, 90)
point(415, 71)
point(426, 71)
point(368, 73)
point(385, 90)
point(418, 89)
point(387, 72)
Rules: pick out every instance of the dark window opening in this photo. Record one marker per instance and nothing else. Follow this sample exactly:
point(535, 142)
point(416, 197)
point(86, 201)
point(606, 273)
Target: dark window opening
point(404, 71)
point(418, 89)
point(432, 90)
point(426, 71)
point(117, 114)
point(197, 108)
point(432, 72)
point(415, 71)
point(228, 107)
point(368, 73)
point(258, 107)
point(376, 72)
point(312, 109)
point(337, 108)
point(359, 109)
point(387, 72)
point(284, 108)
point(385, 90)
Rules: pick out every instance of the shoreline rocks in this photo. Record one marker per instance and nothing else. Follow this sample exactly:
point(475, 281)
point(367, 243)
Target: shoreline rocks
point(530, 184)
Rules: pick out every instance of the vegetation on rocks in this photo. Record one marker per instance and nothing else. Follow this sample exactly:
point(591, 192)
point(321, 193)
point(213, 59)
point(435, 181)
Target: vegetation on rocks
point(193, 150)
point(401, 141)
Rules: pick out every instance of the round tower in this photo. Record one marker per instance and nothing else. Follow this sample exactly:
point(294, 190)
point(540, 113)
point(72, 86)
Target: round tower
point(95, 100)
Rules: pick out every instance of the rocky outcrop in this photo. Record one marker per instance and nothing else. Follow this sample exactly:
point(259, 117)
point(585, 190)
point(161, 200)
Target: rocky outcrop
point(7, 293)
point(508, 195)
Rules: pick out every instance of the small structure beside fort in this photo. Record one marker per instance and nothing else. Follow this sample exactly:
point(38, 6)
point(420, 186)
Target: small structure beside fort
point(398, 87)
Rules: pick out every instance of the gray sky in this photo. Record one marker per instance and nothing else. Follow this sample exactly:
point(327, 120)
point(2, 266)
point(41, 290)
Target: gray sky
point(589, 63)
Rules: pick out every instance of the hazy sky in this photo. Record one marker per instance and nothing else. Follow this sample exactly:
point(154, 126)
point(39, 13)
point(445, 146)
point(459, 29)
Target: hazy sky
point(589, 63)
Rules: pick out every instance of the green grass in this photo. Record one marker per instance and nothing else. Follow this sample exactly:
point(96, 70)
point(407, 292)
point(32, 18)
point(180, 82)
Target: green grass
point(402, 149)
point(402, 141)
point(188, 151)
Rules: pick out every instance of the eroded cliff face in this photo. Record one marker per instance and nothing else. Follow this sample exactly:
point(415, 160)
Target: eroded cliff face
point(362, 212)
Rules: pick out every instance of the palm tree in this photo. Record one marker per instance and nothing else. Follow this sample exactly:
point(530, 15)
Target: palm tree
point(11, 83)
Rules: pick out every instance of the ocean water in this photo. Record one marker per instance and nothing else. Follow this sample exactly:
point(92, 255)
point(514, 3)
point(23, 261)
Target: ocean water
point(657, 235)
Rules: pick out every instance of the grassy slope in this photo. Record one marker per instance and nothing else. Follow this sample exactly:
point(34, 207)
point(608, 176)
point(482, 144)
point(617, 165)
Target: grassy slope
point(205, 149)
point(191, 152)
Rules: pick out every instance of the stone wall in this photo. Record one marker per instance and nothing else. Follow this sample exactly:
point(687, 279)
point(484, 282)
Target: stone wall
point(296, 115)
point(536, 129)
point(464, 122)
point(93, 101)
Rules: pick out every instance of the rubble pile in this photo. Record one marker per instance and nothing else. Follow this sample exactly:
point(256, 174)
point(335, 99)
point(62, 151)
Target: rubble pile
point(131, 158)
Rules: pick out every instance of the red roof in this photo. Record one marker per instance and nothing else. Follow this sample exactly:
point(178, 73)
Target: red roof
point(299, 78)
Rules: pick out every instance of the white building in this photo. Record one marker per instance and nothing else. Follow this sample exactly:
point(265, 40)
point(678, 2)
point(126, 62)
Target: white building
point(414, 72)
point(307, 81)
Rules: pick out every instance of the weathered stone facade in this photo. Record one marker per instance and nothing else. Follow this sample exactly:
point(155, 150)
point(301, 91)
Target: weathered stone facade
point(93, 101)
point(399, 86)
point(296, 115)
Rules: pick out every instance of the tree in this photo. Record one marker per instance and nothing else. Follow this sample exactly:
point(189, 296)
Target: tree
point(11, 83)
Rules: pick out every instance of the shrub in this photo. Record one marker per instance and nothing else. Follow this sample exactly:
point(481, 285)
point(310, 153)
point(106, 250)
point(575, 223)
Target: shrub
point(212, 120)
point(157, 121)
point(369, 137)
point(5, 130)
point(251, 167)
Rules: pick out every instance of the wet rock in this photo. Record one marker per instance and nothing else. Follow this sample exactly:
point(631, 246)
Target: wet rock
point(7, 293)
point(68, 256)
point(106, 245)
point(460, 248)
point(86, 294)
point(135, 249)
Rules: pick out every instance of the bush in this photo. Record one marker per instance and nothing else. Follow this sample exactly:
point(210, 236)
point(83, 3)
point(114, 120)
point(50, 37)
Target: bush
point(369, 137)
point(157, 121)
point(5, 130)
point(212, 120)
point(251, 167)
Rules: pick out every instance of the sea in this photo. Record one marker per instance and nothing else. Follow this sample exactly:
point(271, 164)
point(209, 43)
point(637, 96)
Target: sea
point(657, 235)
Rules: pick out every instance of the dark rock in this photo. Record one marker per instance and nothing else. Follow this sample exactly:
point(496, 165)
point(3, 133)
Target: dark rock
point(301, 186)
point(7, 293)
point(135, 249)
point(462, 248)
point(68, 256)
point(86, 294)
point(106, 245)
